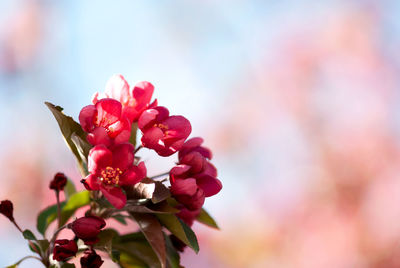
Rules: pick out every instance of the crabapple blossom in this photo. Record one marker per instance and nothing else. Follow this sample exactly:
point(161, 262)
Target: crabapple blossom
point(105, 123)
point(163, 133)
point(110, 168)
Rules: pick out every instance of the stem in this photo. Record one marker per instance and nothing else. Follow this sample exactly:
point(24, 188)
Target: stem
point(16, 225)
point(56, 234)
point(138, 148)
point(29, 257)
point(58, 208)
point(53, 239)
point(160, 175)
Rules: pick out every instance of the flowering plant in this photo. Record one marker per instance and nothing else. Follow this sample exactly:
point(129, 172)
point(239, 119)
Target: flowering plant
point(116, 186)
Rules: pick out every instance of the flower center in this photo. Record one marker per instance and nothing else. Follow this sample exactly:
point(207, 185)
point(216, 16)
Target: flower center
point(161, 126)
point(110, 175)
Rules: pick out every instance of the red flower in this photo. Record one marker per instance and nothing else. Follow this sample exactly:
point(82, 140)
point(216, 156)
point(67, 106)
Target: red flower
point(91, 259)
point(87, 228)
point(163, 133)
point(111, 168)
point(133, 102)
point(6, 208)
point(188, 193)
point(105, 123)
point(58, 183)
point(195, 177)
point(194, 145)
point(64, 249)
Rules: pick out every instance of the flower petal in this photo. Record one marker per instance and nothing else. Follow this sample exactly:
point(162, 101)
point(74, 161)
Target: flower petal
point(178, 127)
point(114, 195)
point(86, 117)
point(210, 169)
point(184, 187)
point(99, 157)
point(122, 155)
point(178, 171)
point(152, 116)
point(121, 130)
point(152, 138)
point(193, 202)
point(98, 96)
point(118, 88)
point(99, 136)
point(194, 145)
point(209, 185)
point(109, 111)
point(195, 160)
point(92, 182)
point(133, 175)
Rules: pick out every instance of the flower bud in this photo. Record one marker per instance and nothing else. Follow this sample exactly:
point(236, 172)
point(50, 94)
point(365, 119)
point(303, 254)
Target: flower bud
point(59, 182)
point(90, 259)
point(87, 228)
point(64, 249)
point(6, 208)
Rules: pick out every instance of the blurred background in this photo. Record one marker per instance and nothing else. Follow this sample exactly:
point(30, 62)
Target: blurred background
point(299, 101)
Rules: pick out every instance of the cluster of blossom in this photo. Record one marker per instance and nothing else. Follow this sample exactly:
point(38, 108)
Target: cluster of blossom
point(113, 168)
point(111, 161)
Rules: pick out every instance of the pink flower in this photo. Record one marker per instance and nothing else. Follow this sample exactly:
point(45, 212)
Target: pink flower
point(187, 192)
point(111, 168)
point(133, 102)
point(194, 178)
point(163, 133)
point(105, 123)
point(194, 145)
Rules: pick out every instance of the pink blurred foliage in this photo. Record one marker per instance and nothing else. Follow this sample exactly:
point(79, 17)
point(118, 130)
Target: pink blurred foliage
point(334, 86)
point(21, 38)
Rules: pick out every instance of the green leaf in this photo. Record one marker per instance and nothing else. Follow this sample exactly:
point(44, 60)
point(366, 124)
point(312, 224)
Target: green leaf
point(137, 236)
point(69, 128)
point(152, 230)
point(120, 218)
point(137, 254)
point(28, 235)
point(173, 258)
point(46, 216)
point(179, 229)
point(43, 244)
point(133, 134)
point(206, 219)
point(115, 255)
point(76, 201)
point(191, 236)
point(34, 247)
point(12, 266)
point(106, 238)
point(69, 189)
point(39, 246)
